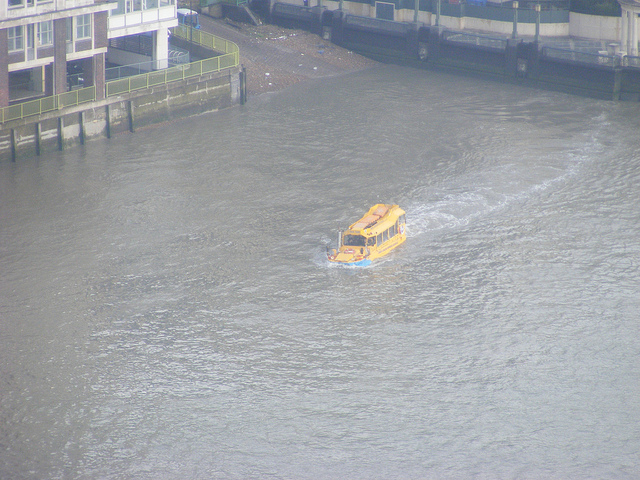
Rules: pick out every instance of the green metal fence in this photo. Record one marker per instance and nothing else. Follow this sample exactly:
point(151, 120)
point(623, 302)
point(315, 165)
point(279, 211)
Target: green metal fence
point(230, 58)
point(47, 104)
point(207, 40)
point(208, 3)
point(138, 82)
point(582, 57)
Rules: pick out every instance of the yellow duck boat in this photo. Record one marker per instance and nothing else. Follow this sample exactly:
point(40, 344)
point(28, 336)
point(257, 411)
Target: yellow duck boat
point(378, 232)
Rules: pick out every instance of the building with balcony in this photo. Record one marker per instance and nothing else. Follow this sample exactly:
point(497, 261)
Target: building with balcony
point(41, 39)
point(46, 43)
point(138, 32)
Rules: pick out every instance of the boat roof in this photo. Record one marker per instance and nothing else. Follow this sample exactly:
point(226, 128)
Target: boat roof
point(379, 217)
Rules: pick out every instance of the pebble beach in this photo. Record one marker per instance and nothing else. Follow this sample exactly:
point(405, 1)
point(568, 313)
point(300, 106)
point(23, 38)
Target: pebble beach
point(276, 57)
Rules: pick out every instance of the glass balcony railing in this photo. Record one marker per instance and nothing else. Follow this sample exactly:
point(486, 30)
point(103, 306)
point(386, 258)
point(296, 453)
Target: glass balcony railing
point(130, 6)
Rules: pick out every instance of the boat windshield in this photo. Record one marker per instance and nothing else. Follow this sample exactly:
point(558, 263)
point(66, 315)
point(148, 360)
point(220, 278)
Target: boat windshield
point(354, 241)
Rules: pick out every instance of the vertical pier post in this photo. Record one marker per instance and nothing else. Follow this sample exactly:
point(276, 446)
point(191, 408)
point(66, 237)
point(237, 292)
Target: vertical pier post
point(13, 145)
point(60, 133)
point(243, 85)
point(617, 83)
point(107, 114)
point(130, 115)
point(81, 128)
point(38, 135)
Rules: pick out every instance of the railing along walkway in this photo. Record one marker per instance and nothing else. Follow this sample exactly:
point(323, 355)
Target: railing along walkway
point(230, 58)
point(47, 104)
point(600, 58)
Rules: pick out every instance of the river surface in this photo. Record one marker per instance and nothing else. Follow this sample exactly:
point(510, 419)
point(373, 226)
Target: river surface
point(167, 312)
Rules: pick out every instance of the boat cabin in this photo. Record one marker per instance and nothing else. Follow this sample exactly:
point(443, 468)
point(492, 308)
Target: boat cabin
point(377, 233)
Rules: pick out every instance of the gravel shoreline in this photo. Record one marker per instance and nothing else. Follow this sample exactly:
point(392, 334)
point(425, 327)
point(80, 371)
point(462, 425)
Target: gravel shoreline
point(276, 57)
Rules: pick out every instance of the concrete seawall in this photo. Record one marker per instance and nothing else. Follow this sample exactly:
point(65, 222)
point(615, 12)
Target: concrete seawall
point(72, 126)
point(520, 61)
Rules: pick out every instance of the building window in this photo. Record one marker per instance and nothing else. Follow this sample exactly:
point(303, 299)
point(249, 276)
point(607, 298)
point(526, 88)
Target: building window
point(16, 3)
point(45, 33)
point(16, 39)
point(385, 11)
point(120, 10)
point(83, 26)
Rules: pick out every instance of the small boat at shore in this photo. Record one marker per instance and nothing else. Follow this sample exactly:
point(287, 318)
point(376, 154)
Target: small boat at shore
point(377, 233)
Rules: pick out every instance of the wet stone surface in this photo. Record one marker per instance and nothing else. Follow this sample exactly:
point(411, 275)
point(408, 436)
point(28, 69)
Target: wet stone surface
point(277, 57)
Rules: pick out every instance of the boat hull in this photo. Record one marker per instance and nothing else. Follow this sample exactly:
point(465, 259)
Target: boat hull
point(360, 263)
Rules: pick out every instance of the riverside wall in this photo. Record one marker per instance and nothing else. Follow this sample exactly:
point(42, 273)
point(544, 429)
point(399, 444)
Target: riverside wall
point(520, 61)
point(72, 126)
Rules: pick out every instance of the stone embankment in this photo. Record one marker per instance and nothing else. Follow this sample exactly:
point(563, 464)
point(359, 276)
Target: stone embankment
point(276, 57)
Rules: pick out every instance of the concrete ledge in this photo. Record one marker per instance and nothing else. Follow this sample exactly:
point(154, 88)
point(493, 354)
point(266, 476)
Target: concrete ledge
point(69, 127)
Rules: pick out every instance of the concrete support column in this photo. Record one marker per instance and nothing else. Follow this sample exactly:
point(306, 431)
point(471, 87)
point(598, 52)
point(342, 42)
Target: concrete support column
point(48, 80)
point(60, 56)
point(88, 72)
point(629, 32)
point(38, 79)
point(624, 23)
point(634, 34)
point(99, 70)
point(4, 69)
point(161, 48)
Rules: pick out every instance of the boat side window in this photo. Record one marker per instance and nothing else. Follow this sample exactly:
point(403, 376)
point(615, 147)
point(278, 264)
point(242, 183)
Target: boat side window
point(392, 231)
point(379, 239)
point(385, 235)
point(402, 220)
point(354, 241)
point(371, 241)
